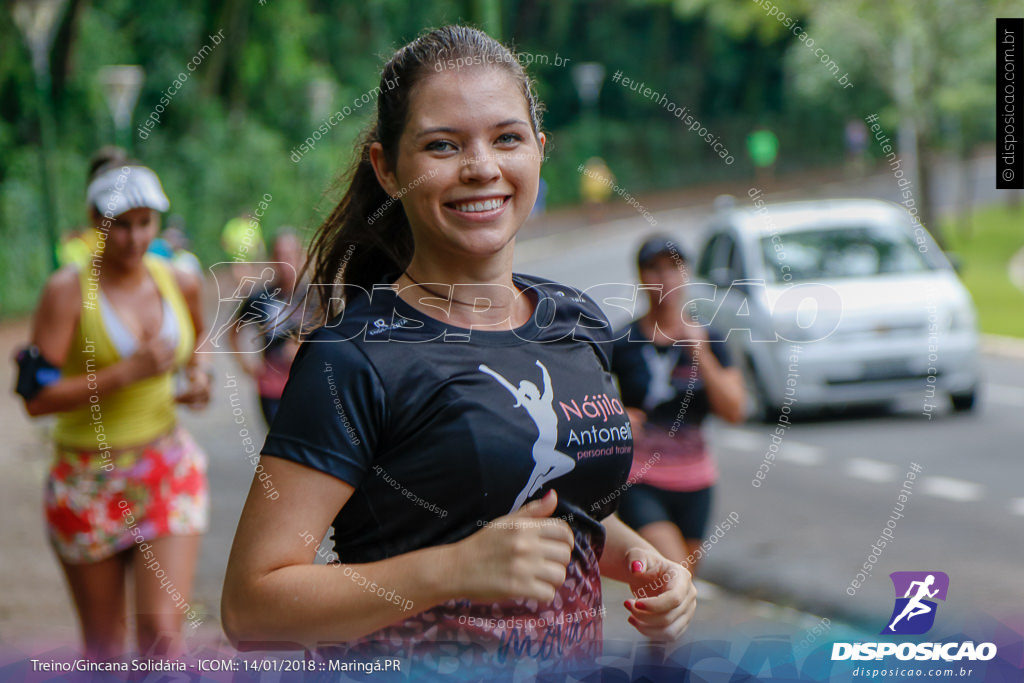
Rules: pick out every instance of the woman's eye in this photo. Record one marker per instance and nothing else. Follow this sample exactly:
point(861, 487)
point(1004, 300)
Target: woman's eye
point(440, 146)
point(510, 138)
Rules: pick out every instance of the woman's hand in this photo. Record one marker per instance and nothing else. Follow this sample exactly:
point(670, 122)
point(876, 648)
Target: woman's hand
point(665, 595)
point(253, 368)
point(521, 555)
point(637, 420)
point(153, 357)
point(197, 394)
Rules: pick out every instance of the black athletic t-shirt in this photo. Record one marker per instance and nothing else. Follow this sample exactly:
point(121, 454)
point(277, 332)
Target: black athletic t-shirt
point(666, 383)
point(657, 378)
point(441, 430)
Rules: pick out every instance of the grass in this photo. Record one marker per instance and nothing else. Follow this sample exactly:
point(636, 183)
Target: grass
point(996, 234)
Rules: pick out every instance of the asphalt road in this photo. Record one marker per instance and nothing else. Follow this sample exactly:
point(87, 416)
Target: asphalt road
point(802, 535)
point(834, 487)
point(807, 531)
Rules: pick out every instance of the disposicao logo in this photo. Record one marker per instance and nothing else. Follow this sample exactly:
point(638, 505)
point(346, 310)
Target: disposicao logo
point(914, 614)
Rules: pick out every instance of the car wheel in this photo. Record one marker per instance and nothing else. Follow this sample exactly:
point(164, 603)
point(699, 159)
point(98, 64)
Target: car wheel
point(964, 402)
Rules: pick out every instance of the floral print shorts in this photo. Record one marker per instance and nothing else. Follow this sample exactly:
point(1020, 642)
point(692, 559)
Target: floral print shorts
point(158, 489)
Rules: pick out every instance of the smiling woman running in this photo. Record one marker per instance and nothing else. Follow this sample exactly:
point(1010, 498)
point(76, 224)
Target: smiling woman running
point(400, 407)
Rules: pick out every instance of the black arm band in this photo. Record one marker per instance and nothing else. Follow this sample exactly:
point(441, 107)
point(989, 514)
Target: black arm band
point(34, 372)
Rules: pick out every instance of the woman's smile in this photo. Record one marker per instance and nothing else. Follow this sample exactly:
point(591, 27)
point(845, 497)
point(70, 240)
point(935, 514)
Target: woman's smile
point(479, 209)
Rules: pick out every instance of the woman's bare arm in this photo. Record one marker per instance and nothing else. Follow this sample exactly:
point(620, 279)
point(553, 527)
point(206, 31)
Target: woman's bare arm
point(197, 393)
point(191, 286)
point(726, 391)
point(274, 592)
point(665, 595)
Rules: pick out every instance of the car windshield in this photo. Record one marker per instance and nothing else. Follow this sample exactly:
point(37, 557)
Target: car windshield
point(828, 254)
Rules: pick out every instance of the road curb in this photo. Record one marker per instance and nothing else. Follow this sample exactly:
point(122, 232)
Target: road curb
point(1007, 347)
point(789, 601)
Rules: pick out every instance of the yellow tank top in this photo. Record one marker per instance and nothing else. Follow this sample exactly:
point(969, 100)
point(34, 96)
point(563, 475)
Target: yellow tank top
point(137, 413)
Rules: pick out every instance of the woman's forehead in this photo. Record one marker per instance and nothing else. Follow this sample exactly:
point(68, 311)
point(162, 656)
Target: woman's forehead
point(135, 215)
point(467, 97)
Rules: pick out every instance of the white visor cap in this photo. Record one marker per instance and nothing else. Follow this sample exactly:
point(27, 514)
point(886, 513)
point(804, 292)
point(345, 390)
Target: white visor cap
point(125, 188)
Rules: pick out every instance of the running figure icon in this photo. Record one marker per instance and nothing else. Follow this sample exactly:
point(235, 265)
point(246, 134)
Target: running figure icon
point(267, 308)
point(915, 607)
point(549, 462)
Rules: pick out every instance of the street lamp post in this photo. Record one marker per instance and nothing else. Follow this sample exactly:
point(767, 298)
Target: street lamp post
point(320, 92)
point(121, 84)
point(37, 21)
point(588, 77)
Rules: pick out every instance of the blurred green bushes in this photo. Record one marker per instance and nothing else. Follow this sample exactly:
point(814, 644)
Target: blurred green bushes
point(226, 137)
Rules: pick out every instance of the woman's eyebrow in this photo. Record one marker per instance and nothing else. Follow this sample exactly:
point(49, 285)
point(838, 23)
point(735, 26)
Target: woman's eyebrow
point(436, 129)
point(449, 129)
point(510, 122)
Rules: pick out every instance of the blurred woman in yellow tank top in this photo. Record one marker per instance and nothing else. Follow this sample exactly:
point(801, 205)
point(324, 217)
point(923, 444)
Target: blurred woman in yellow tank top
point(127, 493)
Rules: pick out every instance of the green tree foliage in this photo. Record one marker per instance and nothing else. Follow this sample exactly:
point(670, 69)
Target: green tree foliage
point(228, 134)
point(931, 59)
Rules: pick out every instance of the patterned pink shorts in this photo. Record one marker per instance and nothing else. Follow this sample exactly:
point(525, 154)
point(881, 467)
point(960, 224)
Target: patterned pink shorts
point(158, 489)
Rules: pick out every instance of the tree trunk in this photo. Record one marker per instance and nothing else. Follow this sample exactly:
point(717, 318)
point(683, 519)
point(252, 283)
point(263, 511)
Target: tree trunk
point(487, 15)
point(965, 208)
point(63, 53)
point(925, 211)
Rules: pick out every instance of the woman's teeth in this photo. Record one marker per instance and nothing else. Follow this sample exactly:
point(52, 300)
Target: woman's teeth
point(488, 205)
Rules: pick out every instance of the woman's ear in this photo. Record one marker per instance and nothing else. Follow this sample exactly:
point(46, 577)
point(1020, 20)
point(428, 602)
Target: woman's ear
point(385, 174)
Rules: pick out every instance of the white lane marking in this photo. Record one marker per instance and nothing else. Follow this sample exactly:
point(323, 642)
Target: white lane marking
point(800, 453)
point(742, 440)
point(952, 489)
point(1017, 506)
point(1000, 393)
point(790, 451)
point(871, 470)
point(707, 590)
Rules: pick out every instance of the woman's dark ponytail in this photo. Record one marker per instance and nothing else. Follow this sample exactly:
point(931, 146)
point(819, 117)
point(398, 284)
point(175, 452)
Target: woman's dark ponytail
point(348, 248)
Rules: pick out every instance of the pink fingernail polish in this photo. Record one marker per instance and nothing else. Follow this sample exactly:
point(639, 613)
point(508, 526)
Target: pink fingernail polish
point(637, 566)
point(639, 605)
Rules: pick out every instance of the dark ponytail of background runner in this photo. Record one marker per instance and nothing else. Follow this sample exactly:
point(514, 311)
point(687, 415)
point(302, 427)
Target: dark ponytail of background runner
point(106, 158)
point(353, 246)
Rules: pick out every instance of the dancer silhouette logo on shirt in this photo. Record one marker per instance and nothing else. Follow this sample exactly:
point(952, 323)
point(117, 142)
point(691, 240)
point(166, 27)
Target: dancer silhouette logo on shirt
point(549, 463)
point(914, 613)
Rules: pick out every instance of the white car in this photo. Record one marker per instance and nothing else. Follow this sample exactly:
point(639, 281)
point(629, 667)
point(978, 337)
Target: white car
point(856, 292)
